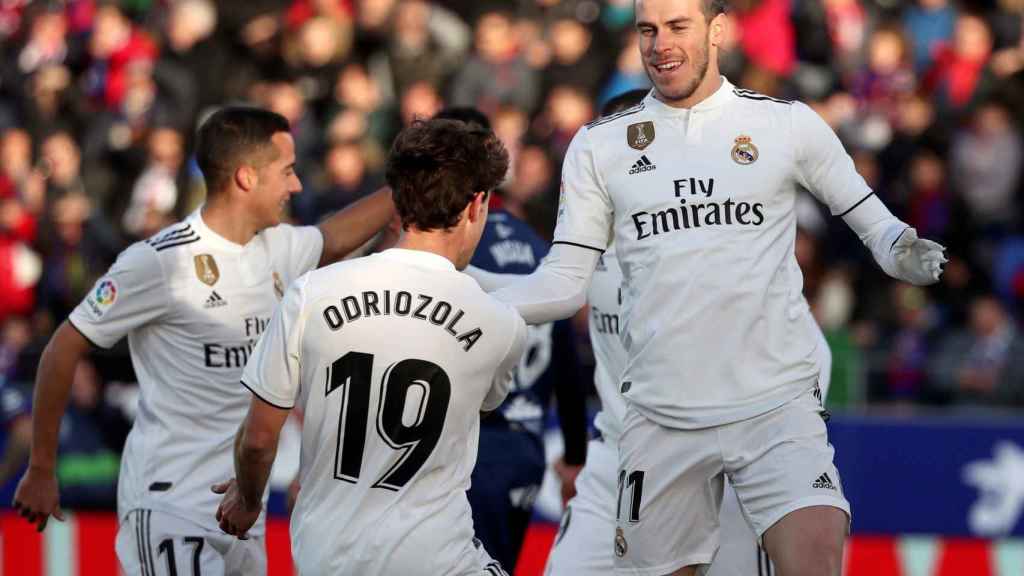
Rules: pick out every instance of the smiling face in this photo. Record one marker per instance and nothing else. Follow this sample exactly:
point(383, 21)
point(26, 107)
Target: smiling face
point(679, 47)
point(276, 182)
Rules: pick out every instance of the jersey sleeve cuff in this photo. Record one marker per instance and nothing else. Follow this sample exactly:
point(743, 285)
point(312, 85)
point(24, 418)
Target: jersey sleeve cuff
point(263, 396)
point(92, 340)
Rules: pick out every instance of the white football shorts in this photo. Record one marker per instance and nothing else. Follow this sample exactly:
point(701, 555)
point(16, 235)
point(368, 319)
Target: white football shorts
point(585, 544)
point(671, 482)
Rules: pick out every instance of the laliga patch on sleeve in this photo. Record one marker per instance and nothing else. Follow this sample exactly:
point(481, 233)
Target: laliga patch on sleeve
point(102, 297)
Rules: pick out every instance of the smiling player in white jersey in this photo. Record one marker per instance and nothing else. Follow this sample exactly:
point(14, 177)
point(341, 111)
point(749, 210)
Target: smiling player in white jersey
point(697, 186)
point(193, 301)
point(589, 518)
point(391, 357)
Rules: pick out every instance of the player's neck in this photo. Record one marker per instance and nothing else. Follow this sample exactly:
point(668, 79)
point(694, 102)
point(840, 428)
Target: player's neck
point(228, 221)
point(438, 242)
point(709, 85)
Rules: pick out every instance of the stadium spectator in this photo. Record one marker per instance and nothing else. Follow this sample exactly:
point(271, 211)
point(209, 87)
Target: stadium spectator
point(983, 364)
point(496, 72)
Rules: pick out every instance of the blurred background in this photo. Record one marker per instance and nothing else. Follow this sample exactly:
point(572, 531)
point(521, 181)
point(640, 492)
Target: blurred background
point(100, 100)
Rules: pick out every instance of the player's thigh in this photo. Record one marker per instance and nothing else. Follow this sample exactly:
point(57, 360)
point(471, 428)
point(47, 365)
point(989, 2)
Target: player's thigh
point(669, 489)
point(586, 537)
point(782, 461)
point(738, 551)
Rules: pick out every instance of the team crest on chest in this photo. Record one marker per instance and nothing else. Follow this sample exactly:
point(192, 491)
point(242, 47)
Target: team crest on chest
point(278, 285)
point(743, 151)
point(640, 135)
point(206, 269)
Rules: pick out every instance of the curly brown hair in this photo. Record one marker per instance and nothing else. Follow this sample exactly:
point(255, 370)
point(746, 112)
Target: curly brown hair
point(435, 168)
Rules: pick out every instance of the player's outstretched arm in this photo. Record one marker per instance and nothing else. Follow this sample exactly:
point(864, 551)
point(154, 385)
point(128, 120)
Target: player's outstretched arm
point(37, 497)
point(895, 245)
point(490, 281)
point(255, 450)
point(556, 289)
point(824, 168)
point(355, 225)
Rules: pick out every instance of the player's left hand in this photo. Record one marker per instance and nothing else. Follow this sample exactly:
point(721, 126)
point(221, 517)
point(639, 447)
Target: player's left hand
point(234, 516)
point(920, 261)
point(567, 474)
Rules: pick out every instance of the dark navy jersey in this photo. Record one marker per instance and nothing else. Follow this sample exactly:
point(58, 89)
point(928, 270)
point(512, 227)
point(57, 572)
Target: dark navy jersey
point(550, 364)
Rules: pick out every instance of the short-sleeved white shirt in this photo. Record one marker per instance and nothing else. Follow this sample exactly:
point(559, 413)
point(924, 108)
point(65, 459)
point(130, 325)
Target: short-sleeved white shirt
point(391, 357)
point(700, 203)
point(193, 306)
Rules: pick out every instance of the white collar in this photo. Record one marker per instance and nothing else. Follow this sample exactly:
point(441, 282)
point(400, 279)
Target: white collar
point(419, 258)
point(718, 98)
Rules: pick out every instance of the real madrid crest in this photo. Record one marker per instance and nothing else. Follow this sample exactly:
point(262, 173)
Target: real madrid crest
point(620, 543)
point(206, 269)
point(640, 135)
point(744, 151)
point(278, 286)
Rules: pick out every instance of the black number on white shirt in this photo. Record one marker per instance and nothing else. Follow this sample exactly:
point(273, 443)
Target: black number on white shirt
point(416, 435)
point(635, 481)
point(351, 373)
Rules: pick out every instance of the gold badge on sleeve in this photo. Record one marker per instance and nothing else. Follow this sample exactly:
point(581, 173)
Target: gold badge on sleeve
point(640, 135)
point(744, 152)
point(206, 269)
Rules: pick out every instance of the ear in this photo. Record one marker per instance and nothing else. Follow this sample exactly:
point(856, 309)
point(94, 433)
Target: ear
point(477, 208)
point(246, 177)
point(717, 31)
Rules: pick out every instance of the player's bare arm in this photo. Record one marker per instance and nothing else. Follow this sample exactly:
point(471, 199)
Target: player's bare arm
point(355, 225)
point(37, 497)
point(255, 449)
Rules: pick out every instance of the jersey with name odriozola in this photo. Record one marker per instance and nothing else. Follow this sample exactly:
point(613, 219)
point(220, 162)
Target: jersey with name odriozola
point(700, 203)
point(391, 358)
point(193, 305)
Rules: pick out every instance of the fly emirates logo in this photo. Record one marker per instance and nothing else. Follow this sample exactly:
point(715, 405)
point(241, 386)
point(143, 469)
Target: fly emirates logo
point(696, 208)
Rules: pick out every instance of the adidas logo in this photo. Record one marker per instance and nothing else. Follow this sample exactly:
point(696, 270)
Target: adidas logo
point(642, 165)
point(824, 481)
point(215, 301)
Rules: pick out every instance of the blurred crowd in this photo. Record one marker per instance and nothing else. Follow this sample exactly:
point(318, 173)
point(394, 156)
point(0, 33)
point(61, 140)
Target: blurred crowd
point(99, 102)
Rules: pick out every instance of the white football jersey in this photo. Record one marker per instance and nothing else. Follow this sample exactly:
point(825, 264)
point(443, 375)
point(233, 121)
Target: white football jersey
point(604, 297)
point(391, 358)
point(700, 203)
point(193, 305)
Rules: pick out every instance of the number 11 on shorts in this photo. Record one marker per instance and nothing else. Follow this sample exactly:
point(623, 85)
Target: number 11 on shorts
point(635, 482)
